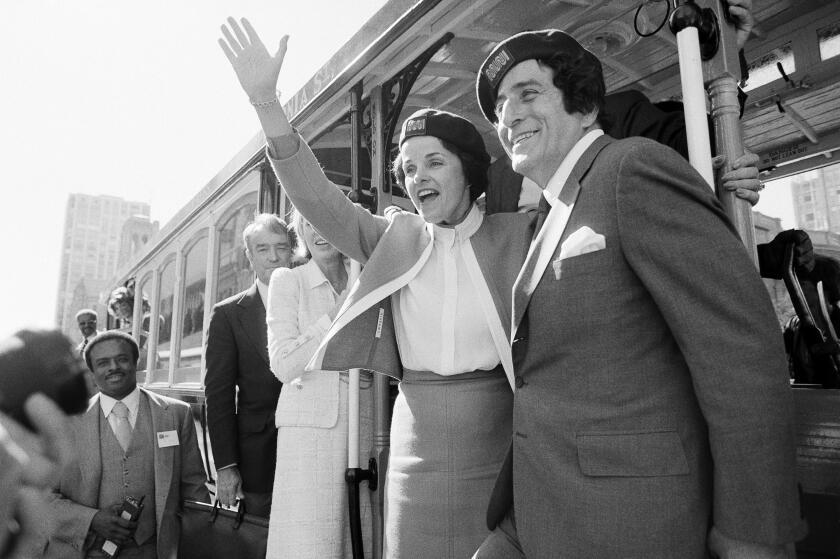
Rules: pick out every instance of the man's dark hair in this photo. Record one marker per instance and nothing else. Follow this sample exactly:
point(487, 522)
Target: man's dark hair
point(581, 79)
point(112, 335)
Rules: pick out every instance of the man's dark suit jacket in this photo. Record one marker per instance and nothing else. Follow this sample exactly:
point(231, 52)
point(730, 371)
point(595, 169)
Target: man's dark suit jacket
point(628, 113)
point(242, 427)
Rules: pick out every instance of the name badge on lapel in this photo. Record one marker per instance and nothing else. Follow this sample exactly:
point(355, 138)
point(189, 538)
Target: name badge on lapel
point(167, 438)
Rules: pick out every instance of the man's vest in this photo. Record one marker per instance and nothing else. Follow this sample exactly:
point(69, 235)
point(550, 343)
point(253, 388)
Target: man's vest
point(131, 472)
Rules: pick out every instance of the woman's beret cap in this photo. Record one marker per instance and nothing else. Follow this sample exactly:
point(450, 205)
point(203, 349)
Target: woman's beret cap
point(445, 126)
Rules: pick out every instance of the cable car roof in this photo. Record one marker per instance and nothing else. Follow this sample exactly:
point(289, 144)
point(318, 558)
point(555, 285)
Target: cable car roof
point(807, 94)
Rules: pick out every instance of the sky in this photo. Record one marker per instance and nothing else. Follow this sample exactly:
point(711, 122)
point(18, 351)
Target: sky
point(130, 99)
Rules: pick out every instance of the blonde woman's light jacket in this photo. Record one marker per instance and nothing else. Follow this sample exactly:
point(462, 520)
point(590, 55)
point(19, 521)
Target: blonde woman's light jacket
point(299, 300)
point(393, 248)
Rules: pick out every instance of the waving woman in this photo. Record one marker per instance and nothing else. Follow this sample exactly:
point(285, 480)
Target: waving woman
point(446, 273)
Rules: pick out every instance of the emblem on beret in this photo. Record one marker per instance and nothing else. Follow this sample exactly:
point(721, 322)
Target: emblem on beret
point(495, 66)
point(416, 127)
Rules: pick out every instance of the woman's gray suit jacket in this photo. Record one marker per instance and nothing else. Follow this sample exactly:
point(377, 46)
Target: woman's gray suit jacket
point(393, 248)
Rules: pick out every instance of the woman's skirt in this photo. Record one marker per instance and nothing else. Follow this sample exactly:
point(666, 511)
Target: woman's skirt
point(449, 436)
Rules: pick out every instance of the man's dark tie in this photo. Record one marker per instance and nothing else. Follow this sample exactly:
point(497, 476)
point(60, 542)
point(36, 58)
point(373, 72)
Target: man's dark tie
point(520, 295)
point(542, 212)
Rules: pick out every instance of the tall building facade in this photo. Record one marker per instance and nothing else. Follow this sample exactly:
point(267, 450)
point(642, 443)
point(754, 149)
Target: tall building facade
point(816, 199)
point(90, 256)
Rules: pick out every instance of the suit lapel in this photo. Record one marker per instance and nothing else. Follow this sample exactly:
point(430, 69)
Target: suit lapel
point(540, 253)
point(90, 454)
point(550, 233)
point(490, 310)
point(162, 420)
point(252, 319)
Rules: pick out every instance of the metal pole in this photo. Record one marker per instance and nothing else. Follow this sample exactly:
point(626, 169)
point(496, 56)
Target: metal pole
point(381, 386)
point(354, 475)
point(353, 393)
point(721, 74)
point(694, 104)
point(728, 141)
point(355, 268)
point(685, 22)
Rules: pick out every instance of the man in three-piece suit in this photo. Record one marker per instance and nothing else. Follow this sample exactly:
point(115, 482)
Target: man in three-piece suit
point(130, 443)
point(241, 425)
point(652, 412)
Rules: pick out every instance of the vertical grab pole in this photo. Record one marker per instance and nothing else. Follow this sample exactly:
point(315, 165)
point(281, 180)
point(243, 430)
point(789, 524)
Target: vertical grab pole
point(694, 103)
point(721, 73)
point(705, 34)
point(355, 268)
point(381, 387)
point(684, 23)
point(354, 475)
point(353, 393)
point(725, 111)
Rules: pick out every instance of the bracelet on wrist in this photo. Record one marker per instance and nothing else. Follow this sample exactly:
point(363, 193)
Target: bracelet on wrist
point(267, 102)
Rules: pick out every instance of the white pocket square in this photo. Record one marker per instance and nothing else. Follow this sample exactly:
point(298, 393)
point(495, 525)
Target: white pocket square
point(582, 241)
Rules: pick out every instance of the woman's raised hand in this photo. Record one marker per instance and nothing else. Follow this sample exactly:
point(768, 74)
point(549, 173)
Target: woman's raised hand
point(256, 69)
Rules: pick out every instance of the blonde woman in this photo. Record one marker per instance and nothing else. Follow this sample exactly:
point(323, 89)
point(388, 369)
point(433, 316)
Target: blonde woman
point(309, 515)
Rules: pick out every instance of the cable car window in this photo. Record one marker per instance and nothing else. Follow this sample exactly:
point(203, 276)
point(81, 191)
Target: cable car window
point(332, 148)
point(235, 273)
point(192, 317)
point(333, 152)
point(167, 300)
point(141, 297)
point(829, 40)
point(765, 69)
point(802, 201)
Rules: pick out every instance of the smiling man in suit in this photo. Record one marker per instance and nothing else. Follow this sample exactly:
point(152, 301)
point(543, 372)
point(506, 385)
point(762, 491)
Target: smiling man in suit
point(652, 412)
point(241, 423)
point(130, 443)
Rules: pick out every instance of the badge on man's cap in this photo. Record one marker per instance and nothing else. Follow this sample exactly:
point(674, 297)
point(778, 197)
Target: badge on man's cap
point(494, 69)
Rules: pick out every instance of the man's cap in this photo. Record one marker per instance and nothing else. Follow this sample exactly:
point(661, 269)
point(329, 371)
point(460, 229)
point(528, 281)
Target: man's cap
point(513, 50)
point(111, 335)
point(445, 126)
point(84, 312)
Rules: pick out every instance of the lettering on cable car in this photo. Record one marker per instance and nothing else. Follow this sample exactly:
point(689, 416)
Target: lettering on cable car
point(787, 152)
